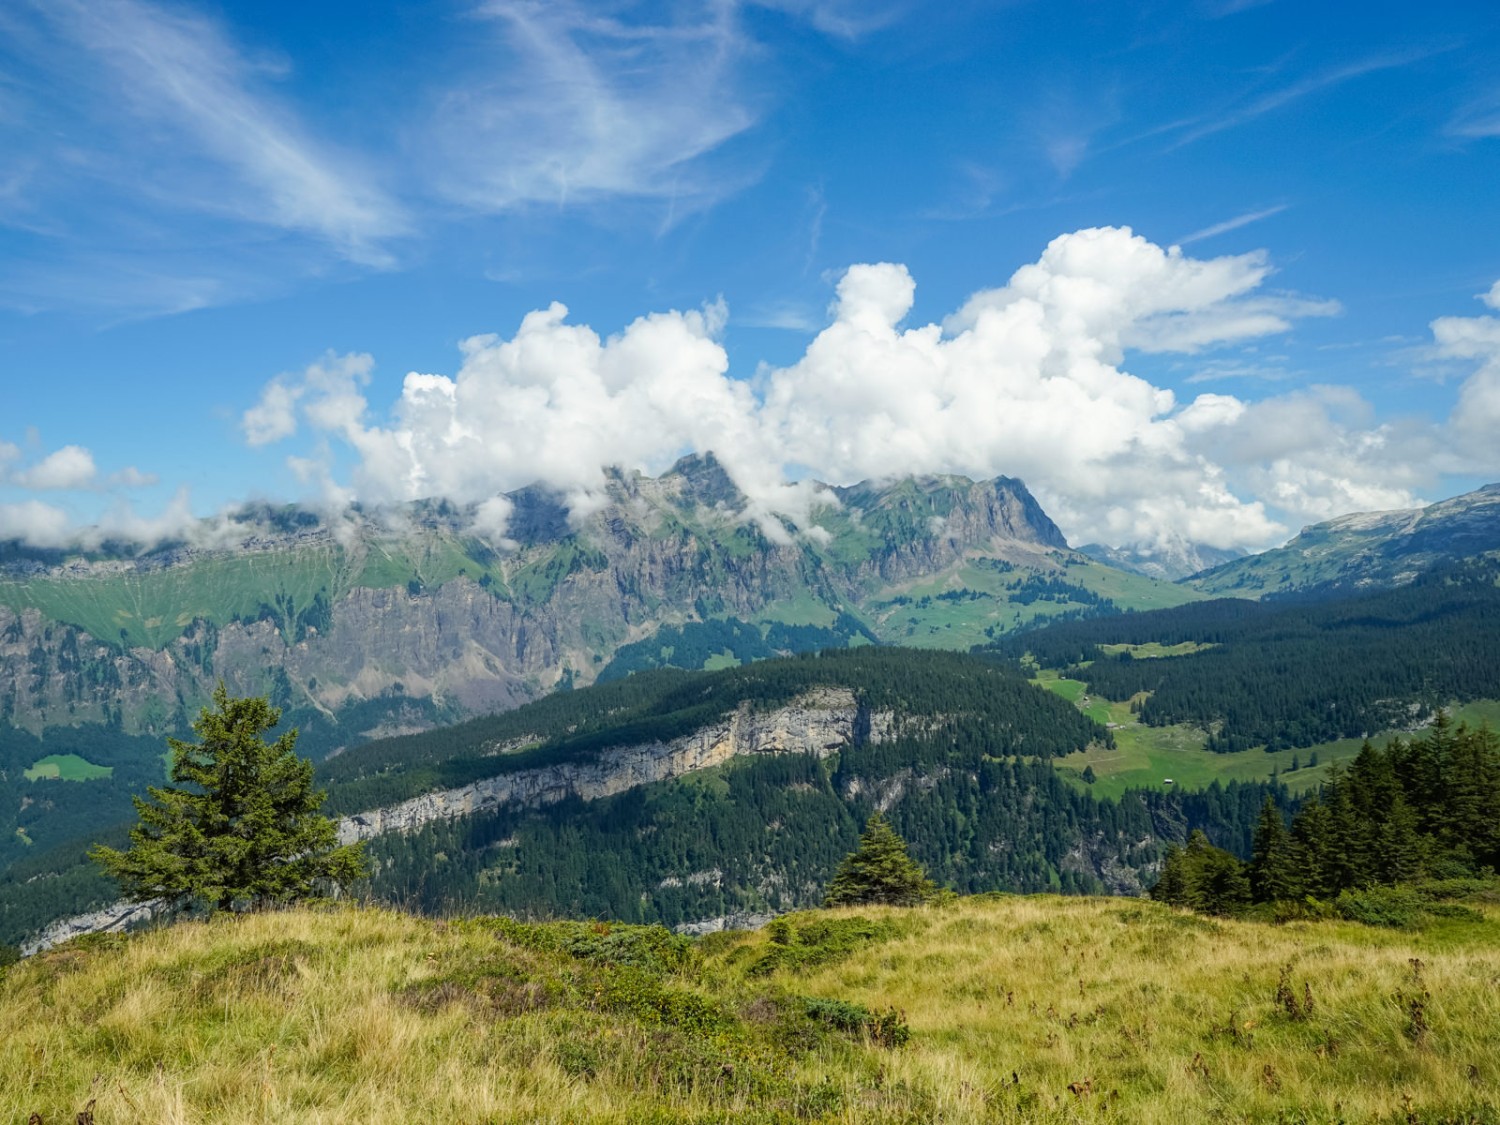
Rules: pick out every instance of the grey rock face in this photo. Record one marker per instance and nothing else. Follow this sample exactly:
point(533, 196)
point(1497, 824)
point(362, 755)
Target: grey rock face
point(819, 723)
point(113, 919)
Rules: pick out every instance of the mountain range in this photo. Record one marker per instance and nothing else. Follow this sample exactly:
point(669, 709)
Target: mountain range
point(377, 622)
point(1365, 550)
point(376, 626)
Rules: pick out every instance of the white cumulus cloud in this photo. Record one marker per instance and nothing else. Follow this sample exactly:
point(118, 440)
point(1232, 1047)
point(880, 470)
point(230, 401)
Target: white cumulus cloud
point(36, 523)
point(72, 466)
point(1028, 379)
point(581, 104)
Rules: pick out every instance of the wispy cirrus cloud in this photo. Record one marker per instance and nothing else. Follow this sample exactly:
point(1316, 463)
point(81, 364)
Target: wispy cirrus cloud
point(1476, 120)
point(575, 107)
point(843, 19)
point(1272, 100)
point(149, 165)
point(155, 79)
point(1228, 225)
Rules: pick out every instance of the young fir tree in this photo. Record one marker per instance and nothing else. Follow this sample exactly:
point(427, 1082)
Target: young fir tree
point(878, 871)
point(1171, 886)
point(244, 830)
point(1202, 877)
point(1401, 855)
point(1273, 869)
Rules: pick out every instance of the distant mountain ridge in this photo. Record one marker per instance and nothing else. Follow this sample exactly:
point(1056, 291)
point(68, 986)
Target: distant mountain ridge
point(431, 620)
point(1171, 561)
point(1366, 550)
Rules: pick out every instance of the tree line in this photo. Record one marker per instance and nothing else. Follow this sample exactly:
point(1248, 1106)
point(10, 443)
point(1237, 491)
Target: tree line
point(1425, 807)
point(1284, 674)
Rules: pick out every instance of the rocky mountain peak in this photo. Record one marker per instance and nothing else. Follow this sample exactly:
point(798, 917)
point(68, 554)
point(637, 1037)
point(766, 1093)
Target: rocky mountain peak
point(704, 480)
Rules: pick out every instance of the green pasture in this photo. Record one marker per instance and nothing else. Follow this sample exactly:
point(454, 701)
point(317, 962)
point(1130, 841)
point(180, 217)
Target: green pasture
point(66, 767)
point(1153, 650)
point(1144, 757)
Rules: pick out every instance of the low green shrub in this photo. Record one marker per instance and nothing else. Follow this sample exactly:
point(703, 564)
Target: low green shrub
point(820, 940)
point(1399, 908)
point(885, 1029)
point(652, 948)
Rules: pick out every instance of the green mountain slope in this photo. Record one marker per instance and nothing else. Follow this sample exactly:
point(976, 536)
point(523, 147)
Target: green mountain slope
point(1366, 550)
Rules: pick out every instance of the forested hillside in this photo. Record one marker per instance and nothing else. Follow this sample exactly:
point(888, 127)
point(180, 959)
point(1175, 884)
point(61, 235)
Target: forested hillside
point(1293, 673)
point(966, 779)
point(962, 766)
point(765, 834)
point(950, 697)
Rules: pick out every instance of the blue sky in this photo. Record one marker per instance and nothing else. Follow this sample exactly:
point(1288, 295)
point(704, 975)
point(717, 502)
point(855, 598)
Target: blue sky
point(229, 232)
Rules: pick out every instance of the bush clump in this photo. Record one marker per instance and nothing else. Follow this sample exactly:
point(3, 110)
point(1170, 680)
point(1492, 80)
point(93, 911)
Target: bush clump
point(1398, 908)
point(819, 941)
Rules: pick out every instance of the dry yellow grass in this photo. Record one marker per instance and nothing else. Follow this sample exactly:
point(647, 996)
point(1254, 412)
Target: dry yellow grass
point(1149, 1015)
point(1153, 1015)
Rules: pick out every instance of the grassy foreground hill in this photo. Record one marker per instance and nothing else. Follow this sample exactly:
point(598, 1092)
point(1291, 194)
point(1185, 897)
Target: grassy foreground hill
point(995, 1009)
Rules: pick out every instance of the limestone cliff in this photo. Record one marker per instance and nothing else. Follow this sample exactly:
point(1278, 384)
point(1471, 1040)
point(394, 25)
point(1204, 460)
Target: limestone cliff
point(819, 723)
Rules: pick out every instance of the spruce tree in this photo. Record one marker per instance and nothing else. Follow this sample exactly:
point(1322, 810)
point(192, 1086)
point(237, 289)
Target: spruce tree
point(241, 827)
point(1401, 852)
point(1311, 848)
point(1273, 873)
point(1171, 885)
point(878, 871)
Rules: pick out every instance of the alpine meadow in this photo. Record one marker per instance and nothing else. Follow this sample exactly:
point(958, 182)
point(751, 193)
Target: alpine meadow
point(764, 561)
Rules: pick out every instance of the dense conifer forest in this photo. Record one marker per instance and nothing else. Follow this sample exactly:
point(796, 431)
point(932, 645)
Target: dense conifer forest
point(983, 703)
point(1294, 673)
point(971, 789)
point(1425, 808)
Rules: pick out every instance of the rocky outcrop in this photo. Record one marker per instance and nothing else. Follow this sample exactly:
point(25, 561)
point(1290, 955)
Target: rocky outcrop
point(819, 723)
point(112, 919)
point(723, 922)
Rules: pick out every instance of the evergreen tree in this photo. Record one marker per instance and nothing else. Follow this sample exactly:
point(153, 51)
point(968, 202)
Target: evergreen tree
point(1218, 882)
point(1202, 877)
point(1471, 808)
point(1400, 852)
point(878, 871)
point(1312, 849)
point(1171, 885)
point(245, 829)
point(1273, 872)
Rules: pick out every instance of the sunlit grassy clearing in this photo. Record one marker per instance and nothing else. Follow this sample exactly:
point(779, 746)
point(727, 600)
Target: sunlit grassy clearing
point(1155, 649)
point(66, 767)
point(1150, 1015)
point(1144, 756)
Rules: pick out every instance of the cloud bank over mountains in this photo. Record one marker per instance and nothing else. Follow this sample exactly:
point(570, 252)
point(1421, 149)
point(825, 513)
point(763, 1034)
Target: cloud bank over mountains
point(1030, 379)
